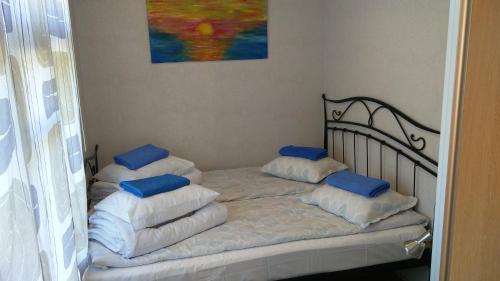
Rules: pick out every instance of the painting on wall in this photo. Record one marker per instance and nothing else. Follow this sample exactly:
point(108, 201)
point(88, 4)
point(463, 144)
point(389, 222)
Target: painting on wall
point(207, 30)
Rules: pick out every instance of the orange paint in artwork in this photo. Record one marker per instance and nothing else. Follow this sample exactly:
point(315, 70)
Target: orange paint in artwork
point(206, 26)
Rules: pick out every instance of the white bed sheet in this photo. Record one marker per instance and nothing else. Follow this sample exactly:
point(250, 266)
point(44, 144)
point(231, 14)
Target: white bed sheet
point(274, 262)
point(250, 183)
point(257, 223)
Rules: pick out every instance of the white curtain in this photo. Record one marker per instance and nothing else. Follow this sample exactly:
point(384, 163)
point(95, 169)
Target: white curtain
point(43, 229)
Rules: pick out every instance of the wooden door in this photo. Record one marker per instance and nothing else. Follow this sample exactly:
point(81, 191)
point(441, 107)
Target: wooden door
point(474, 224)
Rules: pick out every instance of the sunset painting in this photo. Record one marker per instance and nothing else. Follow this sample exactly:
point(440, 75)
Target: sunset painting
point(207, 30)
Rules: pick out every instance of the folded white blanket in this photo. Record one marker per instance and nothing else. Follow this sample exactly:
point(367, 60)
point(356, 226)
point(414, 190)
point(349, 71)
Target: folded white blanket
point(120, 237)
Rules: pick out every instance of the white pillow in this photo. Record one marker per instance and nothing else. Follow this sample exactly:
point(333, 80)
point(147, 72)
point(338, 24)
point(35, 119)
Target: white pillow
point(195, 176)
point(157, 209)
point(115, 173)
point(300, 169)
point(358, 209)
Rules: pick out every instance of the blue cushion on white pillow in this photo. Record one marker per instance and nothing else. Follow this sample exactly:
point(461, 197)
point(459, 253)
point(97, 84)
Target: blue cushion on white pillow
point(359, 184)
point(154, 185)
point(358, 209)
point(311, 153)
point(141, 156)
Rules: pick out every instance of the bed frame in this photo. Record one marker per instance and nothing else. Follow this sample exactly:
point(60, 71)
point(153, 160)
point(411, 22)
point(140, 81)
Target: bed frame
point(407, 140)
point(410, 146)
point(92, 161)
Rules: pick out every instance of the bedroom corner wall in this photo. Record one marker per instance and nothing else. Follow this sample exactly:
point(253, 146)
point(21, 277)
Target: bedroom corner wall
point(218, 114)
point(237, 113)
point(390, 50)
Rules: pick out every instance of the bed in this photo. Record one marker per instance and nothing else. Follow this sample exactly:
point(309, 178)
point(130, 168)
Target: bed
point(270, 234)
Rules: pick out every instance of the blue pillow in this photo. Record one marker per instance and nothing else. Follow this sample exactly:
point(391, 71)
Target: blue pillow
point(311, 153)
point(362, 185)
point(141, 156)
point(151, 186)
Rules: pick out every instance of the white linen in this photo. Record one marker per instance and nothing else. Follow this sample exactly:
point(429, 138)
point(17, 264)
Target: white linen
point(115, 173)
point(255, 223)
point(156, 209)
point(194, 175)
point(359, 209)
point(120, 237)
point(249, 183)
point(300, 169)
point(274, 262)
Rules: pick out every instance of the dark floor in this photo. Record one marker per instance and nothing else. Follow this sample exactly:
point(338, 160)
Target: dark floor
point(419, 273)
point(409, 270)
point(351, 276)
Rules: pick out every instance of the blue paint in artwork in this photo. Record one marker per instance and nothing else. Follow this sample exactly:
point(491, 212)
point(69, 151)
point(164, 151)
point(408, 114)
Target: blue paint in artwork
point(165, 47)
point(250, 44)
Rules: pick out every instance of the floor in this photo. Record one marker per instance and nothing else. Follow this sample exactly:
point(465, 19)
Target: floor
point(362, 276)
point(420, 273)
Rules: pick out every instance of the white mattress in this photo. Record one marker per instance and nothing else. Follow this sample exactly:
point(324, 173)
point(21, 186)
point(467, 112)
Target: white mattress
point(279, 261)
point(270, 262)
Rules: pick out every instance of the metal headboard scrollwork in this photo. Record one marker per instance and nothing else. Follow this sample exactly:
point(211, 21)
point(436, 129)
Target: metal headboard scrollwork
point(408, 145)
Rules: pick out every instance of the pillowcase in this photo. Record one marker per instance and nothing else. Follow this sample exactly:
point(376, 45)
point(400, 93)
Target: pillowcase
point(195, 176)
point(157, 209)
point(304, 170)
point(358, 209)
point(115, 173)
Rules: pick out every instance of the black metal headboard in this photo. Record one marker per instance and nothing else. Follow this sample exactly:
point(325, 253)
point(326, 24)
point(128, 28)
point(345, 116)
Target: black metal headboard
point(408, 145)
point(92, 161)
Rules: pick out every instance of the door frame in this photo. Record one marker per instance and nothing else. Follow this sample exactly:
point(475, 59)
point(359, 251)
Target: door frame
point(458, 24)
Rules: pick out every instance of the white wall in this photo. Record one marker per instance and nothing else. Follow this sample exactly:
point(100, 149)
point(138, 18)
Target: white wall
point(387, 49)
point(218, 114)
